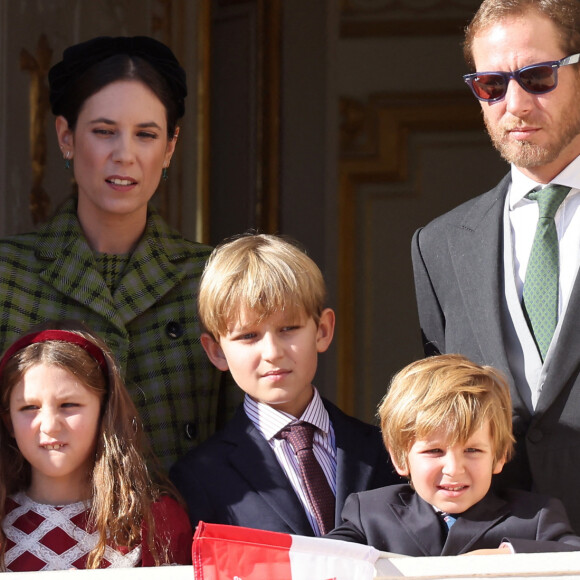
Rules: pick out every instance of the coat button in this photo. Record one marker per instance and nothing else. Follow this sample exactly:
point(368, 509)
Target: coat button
point(535, 435)
point(190, 431)
point(174, 330)
point(520, 426)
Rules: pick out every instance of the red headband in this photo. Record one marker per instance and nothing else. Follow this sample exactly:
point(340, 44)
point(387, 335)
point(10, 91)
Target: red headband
point(61, 335)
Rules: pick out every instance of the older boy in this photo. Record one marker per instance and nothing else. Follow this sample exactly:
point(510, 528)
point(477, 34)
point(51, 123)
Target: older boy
point(447, 425)
point(261, 303)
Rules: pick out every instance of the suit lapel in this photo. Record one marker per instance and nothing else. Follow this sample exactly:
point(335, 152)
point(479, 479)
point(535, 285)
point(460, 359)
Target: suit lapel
point(153, 271)
point(476, 247)
point(564, 361)
point(253, 458)
point(419, 521)
point(475, 523)
point(70, 265)
point(478, 263)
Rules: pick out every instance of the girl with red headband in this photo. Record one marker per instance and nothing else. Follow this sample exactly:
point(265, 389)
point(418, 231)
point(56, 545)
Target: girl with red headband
point(75, 491)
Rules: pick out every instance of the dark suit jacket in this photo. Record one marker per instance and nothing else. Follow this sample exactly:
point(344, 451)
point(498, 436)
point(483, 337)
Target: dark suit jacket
point(395, 519)
point(234, 477)
point(458, 266)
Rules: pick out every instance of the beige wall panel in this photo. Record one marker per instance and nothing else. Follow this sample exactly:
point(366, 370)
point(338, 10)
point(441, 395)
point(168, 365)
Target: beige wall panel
point(445, 169)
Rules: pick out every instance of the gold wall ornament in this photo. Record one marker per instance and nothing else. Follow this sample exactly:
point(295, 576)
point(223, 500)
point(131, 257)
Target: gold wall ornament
point(357, 129)
point(38, 67)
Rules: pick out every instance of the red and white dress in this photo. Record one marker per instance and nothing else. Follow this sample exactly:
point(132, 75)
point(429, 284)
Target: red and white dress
point(47, 537)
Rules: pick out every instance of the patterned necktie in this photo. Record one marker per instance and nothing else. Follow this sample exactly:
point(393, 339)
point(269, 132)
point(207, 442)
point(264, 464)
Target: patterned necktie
point(320, 496)
point(540, 297)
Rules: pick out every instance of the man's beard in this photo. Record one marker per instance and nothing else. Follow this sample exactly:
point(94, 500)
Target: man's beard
point(528, 155)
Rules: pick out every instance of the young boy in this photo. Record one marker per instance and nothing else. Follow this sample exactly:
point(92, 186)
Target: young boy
point(447, 425)
point(261, 304)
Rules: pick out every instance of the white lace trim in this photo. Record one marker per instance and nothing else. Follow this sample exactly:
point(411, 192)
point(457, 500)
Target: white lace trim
point(58, 517)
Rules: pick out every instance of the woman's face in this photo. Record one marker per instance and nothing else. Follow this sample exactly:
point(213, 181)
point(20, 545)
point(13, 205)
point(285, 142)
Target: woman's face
point(119, 147)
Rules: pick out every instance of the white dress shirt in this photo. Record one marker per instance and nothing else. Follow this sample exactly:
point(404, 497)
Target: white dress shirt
point(520, 219)
point(524, 217)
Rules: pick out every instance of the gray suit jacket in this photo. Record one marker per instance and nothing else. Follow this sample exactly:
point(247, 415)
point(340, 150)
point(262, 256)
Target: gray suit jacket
point(234, 477)
point(458, 267)
point(395, 519)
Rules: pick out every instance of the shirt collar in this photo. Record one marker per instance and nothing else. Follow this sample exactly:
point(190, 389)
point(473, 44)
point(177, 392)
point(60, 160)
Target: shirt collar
point(522, 184)
point(269, 421)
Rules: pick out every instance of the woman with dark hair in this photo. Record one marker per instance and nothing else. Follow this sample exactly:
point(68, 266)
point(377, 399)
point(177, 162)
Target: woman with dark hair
point(107, 257)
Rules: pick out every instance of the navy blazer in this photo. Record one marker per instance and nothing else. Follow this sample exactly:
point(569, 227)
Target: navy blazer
point(458, 266)
point(234, 477)
point(396, 519)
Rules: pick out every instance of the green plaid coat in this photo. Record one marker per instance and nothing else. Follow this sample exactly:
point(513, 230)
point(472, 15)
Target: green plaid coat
point(150, 322)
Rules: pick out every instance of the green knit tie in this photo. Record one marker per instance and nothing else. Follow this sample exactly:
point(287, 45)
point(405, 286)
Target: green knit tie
point(540, 297)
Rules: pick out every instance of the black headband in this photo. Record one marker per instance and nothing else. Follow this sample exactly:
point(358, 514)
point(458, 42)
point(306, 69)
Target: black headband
point(77, 59)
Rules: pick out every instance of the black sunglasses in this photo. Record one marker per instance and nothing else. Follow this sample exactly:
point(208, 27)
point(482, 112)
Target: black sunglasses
point(535, 78)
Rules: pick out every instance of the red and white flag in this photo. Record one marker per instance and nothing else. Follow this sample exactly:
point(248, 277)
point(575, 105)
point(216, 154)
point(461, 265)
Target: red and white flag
point(223, 552)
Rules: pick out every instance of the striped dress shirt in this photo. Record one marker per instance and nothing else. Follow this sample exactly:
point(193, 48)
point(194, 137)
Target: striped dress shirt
point(269, 422)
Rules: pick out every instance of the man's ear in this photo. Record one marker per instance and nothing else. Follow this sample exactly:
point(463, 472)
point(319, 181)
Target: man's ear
point(214, 352)
point(325, 330)
point(402, 470)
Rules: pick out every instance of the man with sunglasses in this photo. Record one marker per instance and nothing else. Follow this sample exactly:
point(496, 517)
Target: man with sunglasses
point(496, 278)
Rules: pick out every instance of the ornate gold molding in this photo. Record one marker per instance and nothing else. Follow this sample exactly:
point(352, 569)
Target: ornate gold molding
point(38, 67)
point(374, 149)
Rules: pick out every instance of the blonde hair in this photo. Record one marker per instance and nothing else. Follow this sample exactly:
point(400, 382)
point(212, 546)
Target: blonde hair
point(260, 273)
point(447, 392)
point(122, 490)
point(565, 14)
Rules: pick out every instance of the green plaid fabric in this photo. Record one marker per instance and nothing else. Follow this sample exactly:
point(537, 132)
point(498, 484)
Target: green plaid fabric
point(150, 322)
